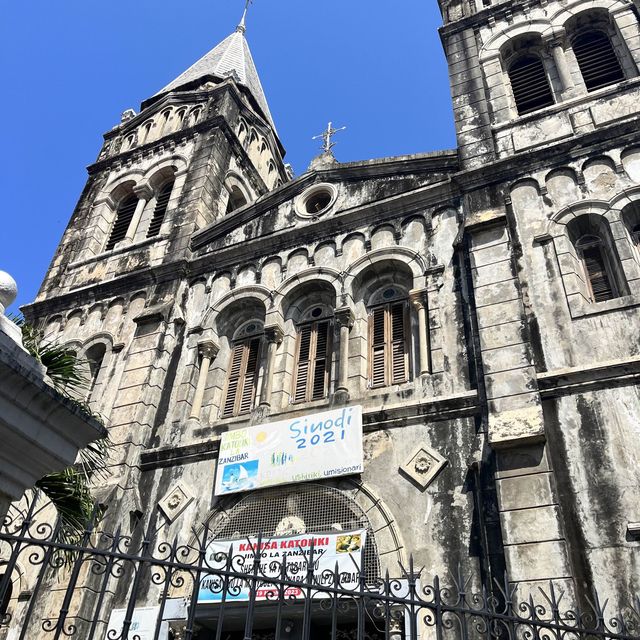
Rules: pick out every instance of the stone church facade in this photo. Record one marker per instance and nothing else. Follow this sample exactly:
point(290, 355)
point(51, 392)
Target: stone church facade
point(480, 304)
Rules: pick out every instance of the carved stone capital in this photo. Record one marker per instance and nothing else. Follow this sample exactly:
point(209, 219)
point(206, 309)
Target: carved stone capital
point(555, 38)
point(208, 349)
point(344, 317)
point(418, 298)
point(143, 191)
point(273, 334)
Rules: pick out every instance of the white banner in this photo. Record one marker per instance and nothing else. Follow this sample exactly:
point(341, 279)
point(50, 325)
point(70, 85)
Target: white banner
point(320, 445)
point(343, 548)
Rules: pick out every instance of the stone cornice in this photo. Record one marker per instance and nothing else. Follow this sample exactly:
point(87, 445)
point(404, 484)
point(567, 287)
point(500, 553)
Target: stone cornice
point(507, 170)
point(497, 11)
point(570, 380)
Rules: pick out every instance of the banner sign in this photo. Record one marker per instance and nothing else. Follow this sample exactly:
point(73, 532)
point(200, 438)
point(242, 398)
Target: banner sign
point(320, 445)
point(344, 548)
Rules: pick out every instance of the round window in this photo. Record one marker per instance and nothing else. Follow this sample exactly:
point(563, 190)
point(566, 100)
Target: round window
point(316, 200)
point(388, 294)
point(317, 312)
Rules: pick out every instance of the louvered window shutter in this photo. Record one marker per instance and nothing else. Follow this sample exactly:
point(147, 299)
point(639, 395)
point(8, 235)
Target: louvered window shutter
point(162, 202)
point(377, 342)
point(311, 376)
point(599, 278)
point(388, 349)
point(241, 381)
point(321, 354)
point(398, 343)
point(597, 60)
point(123, 219)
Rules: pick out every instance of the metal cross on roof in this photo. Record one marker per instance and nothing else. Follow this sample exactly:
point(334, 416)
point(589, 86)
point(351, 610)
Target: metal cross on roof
point(326, 136)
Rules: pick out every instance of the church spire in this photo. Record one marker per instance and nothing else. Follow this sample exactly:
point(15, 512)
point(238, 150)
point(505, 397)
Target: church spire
point(230, 58)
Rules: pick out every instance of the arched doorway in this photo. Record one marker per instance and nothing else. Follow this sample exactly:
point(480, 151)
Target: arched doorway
point(290, 511)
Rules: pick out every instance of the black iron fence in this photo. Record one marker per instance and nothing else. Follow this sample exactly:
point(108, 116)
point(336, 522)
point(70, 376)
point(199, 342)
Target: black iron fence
point(116, 586)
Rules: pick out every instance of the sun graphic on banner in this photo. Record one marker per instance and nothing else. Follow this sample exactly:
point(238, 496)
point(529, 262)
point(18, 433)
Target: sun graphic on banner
point(261, 437)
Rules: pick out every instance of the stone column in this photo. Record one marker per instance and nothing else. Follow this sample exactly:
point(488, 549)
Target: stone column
point(144, 193)
point(418, 298)
point(555, 44)
point(344, 318)
point(273, 335)
point(207, 350)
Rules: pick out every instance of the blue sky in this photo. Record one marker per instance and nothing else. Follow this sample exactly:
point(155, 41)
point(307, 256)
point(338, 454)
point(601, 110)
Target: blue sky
point(70, 68)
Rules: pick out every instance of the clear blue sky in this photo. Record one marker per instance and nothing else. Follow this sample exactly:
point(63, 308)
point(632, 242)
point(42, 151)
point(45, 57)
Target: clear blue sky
point(69, 69)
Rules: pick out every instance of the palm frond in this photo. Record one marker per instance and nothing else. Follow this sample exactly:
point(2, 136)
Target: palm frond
point(69, 490)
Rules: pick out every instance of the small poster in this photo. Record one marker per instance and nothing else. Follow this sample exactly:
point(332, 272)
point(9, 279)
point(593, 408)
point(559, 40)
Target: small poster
point(343, 549)
point(311, 447)
point(143, 623)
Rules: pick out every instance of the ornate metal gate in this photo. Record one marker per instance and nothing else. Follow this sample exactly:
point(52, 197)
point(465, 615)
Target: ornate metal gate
point(75, 587)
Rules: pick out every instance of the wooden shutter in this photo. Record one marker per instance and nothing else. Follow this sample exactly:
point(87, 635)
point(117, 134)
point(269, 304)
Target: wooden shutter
point(388, 349)
point(398, 343)
point(312, 371)
point(599, 279)
point(123, 219)
point(162, 202)
point(377, 342)
point(242, 378)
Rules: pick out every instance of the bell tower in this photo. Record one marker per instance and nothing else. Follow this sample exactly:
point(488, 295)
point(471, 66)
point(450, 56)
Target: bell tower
point(529, 74)
point(203, 146)
point(546, 98)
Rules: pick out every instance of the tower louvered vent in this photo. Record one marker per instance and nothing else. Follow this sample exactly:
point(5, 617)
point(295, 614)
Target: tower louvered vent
point(123, 219)
point(597, 60)
point(162, 202)
point(530, 86)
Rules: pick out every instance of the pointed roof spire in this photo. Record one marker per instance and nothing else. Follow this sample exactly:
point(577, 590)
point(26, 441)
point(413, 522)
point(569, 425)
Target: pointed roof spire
point(231, 57)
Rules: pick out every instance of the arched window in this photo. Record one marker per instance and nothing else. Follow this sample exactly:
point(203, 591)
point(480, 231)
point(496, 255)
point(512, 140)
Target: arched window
point(597, 60)
point(388, 338)
point(631, 218)
point(596, 268)
point(162, 201)
point(598, 262)
point(236, 199)
point(592, 36)
point(301, 508)
point(124, 215)
point(313, 356)
point(529, 83)
point(95, 358)
point(242, 374)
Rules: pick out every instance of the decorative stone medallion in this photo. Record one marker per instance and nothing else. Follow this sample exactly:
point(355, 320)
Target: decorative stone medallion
point(423, 465)
point(175, 502)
